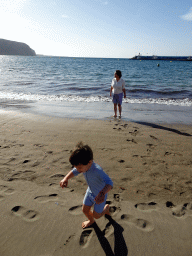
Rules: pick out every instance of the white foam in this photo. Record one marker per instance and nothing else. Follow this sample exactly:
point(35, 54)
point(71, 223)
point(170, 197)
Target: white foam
point(74, 98)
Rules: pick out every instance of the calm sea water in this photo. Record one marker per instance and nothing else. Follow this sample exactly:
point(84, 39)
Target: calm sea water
point(42, 82)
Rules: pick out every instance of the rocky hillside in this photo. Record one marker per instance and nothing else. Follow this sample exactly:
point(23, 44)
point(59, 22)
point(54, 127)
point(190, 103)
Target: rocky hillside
point(8, 47)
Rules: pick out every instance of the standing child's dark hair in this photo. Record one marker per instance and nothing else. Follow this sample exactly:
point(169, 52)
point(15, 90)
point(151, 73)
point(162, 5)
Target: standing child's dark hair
point(118, 72)
point(81, 155)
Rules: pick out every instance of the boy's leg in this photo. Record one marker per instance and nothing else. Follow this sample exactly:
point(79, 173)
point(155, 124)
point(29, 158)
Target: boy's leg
point(87, 204)
point(89, 214)
point(101, 209)
point(97, 215)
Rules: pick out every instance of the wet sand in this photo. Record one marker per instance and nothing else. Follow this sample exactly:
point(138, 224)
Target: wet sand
point(150, 204)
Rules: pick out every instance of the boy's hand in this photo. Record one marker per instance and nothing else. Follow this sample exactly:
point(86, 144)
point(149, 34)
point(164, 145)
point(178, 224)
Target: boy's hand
point(64, 183)
point(100, 198)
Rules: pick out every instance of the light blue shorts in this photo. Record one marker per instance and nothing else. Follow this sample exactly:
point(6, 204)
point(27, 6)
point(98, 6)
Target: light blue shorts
point(89, 201)
point(118, 98)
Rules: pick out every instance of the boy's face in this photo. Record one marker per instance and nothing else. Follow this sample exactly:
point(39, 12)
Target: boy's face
point(83, 168)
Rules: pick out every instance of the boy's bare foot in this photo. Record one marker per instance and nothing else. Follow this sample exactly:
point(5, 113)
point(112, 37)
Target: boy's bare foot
point(87, 223)
point(107, 209)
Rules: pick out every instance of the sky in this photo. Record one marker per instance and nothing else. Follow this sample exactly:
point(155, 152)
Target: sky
point(99, 28)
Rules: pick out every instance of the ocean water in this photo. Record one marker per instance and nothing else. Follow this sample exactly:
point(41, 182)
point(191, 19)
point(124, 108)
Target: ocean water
point(80, 87)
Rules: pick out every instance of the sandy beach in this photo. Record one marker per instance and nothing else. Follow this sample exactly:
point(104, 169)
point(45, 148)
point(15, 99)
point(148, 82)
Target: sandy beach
point(150, 204)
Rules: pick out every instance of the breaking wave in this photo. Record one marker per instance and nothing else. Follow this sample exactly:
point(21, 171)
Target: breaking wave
point(76, 98)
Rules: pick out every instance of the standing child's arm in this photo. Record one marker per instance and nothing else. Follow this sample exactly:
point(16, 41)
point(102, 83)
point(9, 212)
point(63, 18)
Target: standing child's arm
point(64, 181)
point(111, 91)
point(124, 93)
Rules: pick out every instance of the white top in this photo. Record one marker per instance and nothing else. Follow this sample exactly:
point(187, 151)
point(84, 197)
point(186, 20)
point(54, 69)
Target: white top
point(118, 86)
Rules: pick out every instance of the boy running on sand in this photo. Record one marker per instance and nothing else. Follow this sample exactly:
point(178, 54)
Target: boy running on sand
point(99, 183)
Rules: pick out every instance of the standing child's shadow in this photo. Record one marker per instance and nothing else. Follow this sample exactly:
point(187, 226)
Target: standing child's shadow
point(120, 247)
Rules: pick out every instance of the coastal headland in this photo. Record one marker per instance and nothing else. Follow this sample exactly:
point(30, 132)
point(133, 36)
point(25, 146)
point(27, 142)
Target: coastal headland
point(8, 47)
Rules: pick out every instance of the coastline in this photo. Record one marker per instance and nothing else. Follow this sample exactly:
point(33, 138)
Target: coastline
point(149, 163)
point(132, 112)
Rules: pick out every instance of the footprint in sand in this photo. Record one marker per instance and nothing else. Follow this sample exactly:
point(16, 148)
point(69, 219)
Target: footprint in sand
point(114, 205)
point(2, 188)
point(114, 210)
point(1, 197)
point(57, 186)
point(23, 175)
point(139, 223)
point(117, 197)
point(121, 161)
point(177, 211)
point(9, 191)
point(36, 163)
point(180, 210)
point(109, 230)
point(188, 206)
point(85, 237)
point(122, 189)
point(6, 190)
point(134, 133)
point(69, 239)
point(57, 176)
point(39, 145)
point(151, 146)
point(76, 210)
point(153, 137)
point(46, 198)
point(26, 161)
point(132, 140)
point(27, 215)
point(169, 204)
point(146, 206)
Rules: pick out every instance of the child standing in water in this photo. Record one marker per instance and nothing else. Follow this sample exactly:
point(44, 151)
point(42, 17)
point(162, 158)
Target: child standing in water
point(118, 89)
point(99, 183)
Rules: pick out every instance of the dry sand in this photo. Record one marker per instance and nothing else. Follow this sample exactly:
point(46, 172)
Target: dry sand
point(151, 202)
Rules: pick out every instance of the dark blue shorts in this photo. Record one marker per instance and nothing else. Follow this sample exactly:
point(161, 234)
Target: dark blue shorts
point(118, 98)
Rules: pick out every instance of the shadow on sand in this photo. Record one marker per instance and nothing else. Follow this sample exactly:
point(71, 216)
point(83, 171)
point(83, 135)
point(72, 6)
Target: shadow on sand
point(120, 248)
point(164, 128)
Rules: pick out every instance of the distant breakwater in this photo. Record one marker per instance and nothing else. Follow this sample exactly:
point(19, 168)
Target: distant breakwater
point(169, 58)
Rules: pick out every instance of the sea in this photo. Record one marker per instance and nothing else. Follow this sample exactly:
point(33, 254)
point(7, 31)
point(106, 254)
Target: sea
point(67, 87)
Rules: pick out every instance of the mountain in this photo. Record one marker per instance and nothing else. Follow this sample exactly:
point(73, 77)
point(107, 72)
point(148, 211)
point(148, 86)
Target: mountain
point(8, 47)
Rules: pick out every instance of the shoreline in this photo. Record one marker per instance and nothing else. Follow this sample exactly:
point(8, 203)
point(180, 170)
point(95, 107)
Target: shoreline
point(151, 201)
point(149, 113)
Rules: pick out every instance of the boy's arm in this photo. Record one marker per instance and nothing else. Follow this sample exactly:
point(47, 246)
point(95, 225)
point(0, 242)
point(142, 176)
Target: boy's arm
point(108, 186)
point(106, 189)
point(64, 181)
point(101, 196)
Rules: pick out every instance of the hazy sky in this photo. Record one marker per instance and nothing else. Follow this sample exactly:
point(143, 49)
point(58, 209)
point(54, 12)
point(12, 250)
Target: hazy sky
point(99, 28)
